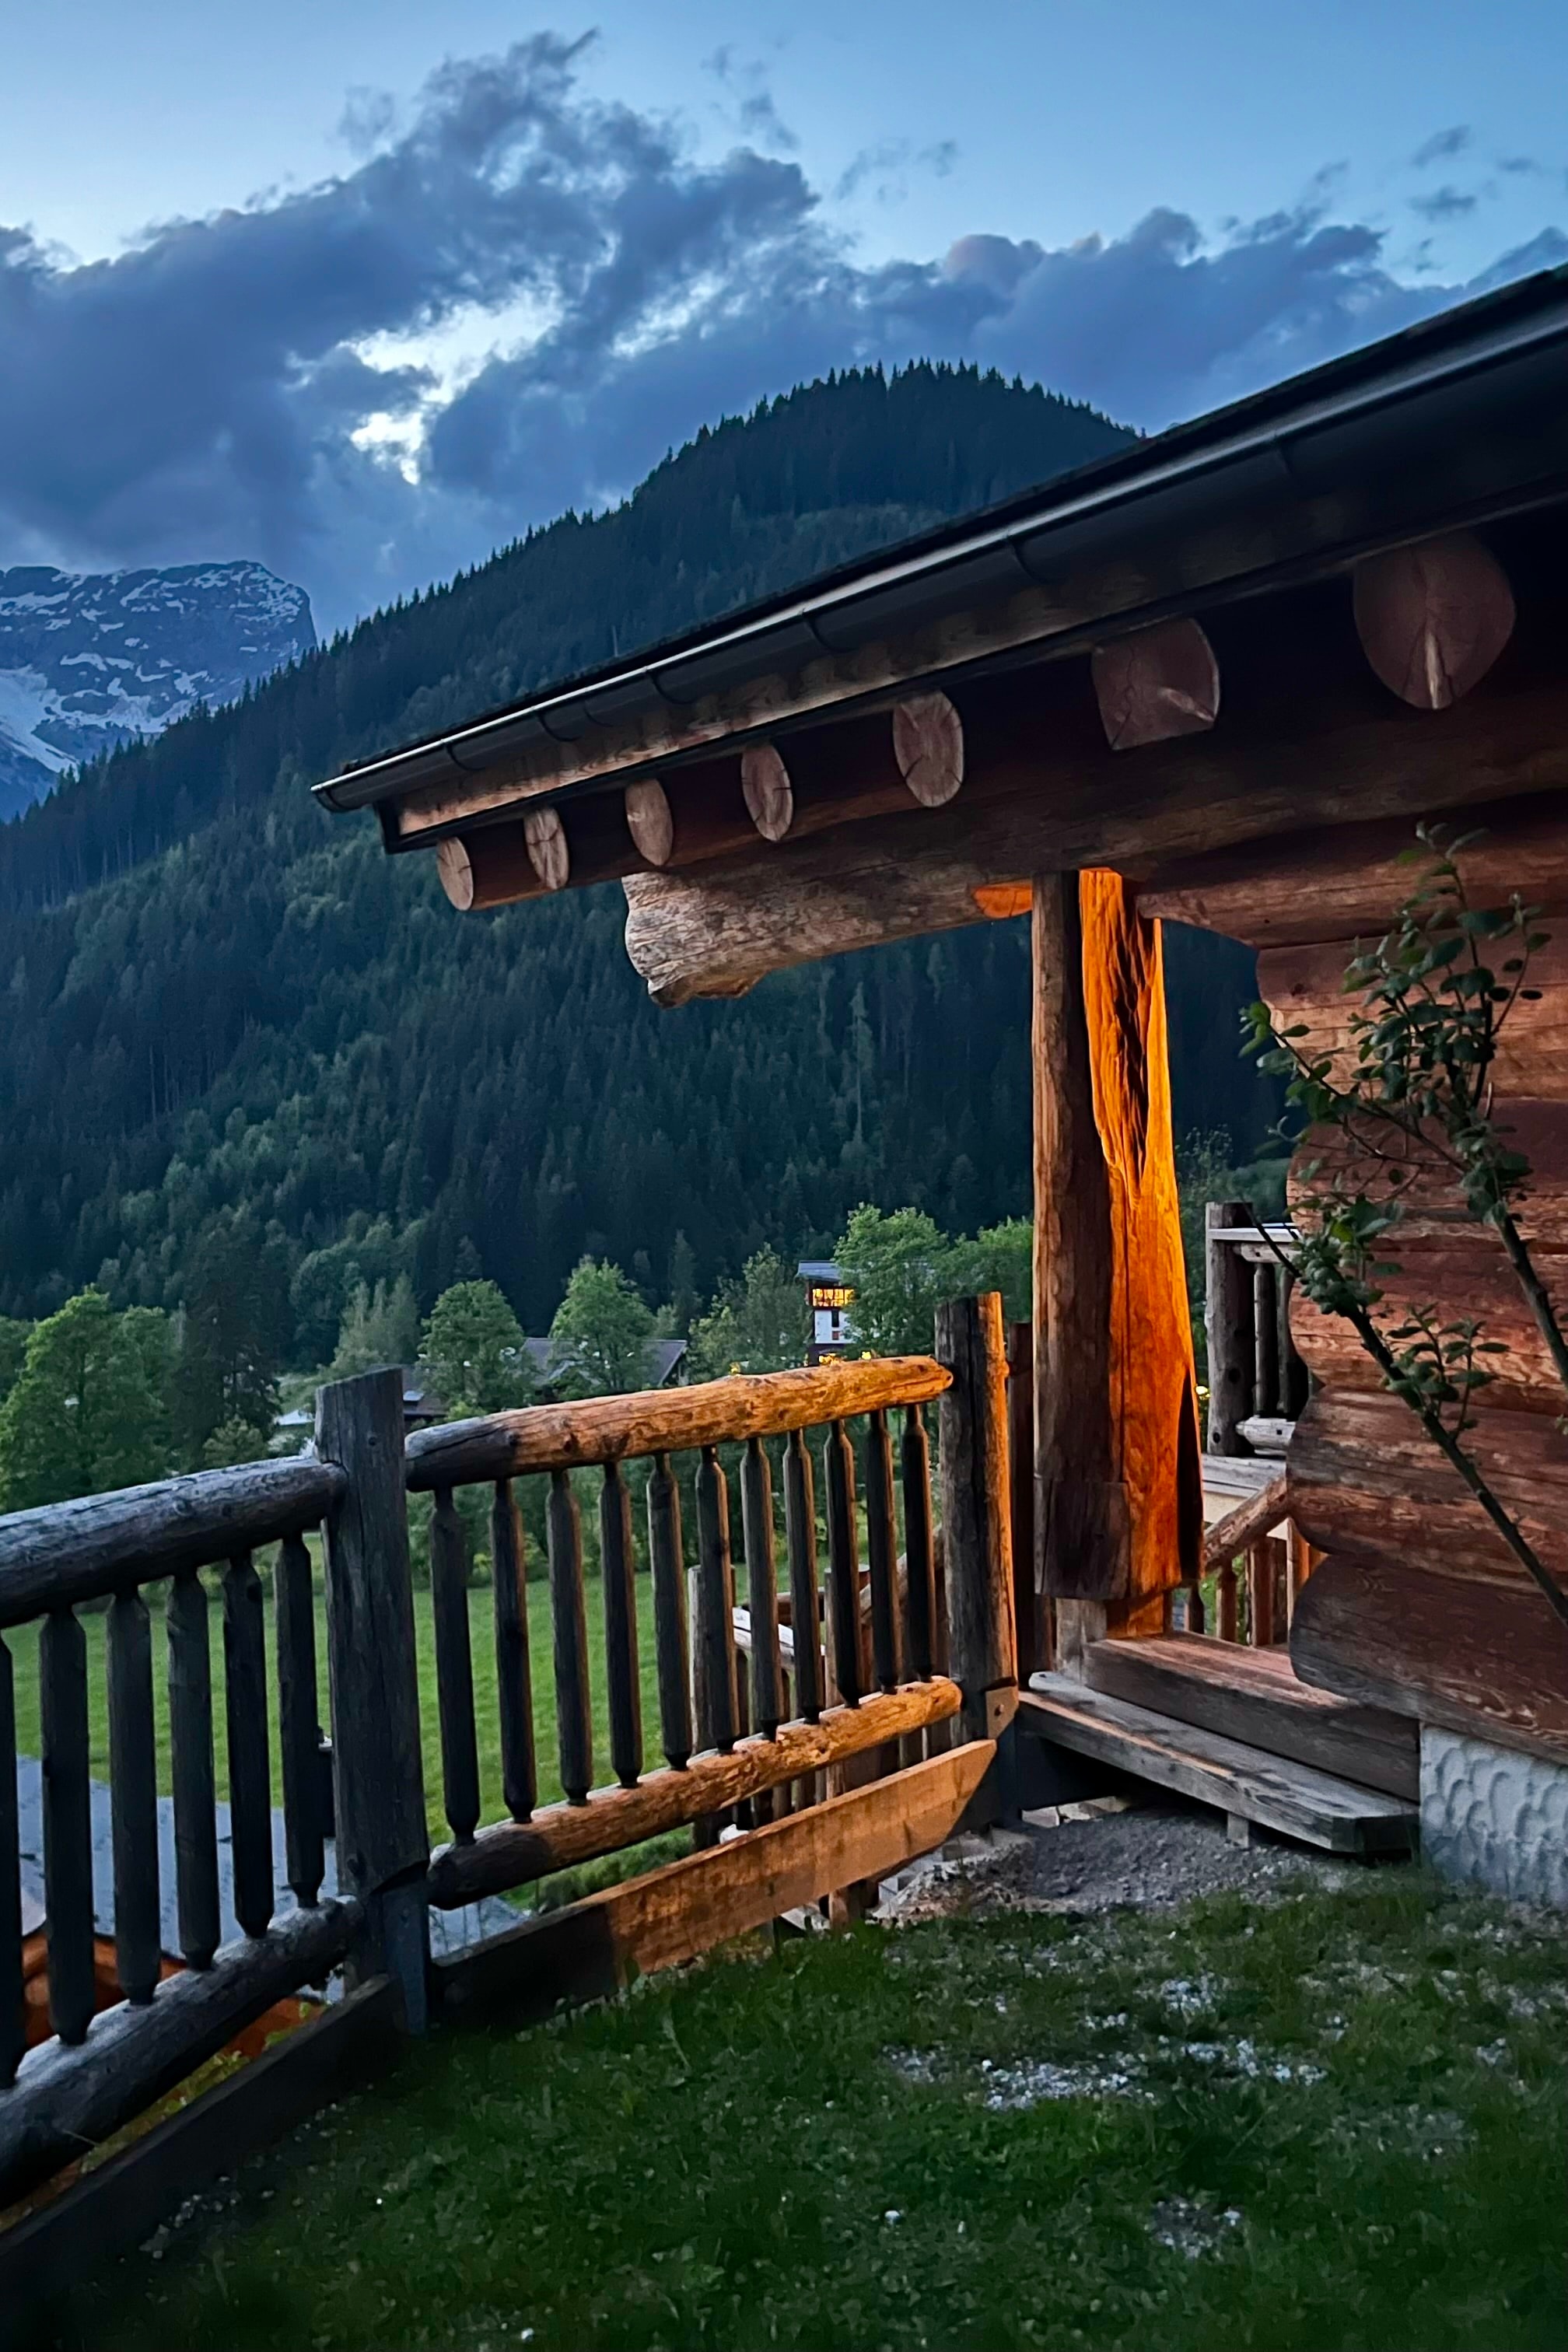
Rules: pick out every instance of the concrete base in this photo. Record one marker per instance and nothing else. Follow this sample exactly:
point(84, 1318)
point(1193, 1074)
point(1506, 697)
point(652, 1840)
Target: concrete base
point(1495, 1816)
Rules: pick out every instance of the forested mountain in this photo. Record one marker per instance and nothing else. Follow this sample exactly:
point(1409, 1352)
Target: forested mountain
point(228, 1014)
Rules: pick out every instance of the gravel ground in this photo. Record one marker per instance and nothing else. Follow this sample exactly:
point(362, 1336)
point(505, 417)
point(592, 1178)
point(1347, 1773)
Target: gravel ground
point(1141, 1856)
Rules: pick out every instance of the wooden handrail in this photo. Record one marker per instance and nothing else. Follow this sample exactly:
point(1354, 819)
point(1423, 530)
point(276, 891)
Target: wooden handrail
point(515, 1851)
point(597, 1430)
point(65, 1553)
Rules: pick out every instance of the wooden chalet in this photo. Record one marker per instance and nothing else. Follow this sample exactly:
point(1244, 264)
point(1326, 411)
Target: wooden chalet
point(1216, 680)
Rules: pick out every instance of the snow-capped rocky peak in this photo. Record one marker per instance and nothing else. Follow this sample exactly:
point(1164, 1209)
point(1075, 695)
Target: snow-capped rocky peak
point(88, 660)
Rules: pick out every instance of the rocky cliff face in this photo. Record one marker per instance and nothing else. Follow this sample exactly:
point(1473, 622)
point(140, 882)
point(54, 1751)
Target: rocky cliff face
point(89, 660)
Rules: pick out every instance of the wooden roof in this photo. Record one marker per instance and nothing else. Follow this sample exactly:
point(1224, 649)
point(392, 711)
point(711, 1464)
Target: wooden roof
point(1041, 687)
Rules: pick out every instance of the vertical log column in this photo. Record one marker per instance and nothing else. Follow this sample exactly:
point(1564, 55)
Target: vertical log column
point(976, 1515)
point(1117, 1488)
point(383, 1848)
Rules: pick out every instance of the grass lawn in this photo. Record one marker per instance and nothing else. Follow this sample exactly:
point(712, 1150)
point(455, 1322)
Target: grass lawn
point(23, 1644)
point(1332, 2120)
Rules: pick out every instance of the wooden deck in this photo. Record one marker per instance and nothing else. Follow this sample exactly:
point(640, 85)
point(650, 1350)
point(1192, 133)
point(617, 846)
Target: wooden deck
point(1235, 1729)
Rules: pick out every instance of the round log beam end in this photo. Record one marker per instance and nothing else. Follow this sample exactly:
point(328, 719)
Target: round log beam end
point(650, 820)
point(549, 852)
point(1433, 618)
point(456, 869)
point(928, 744)
point(770, 797)
point(1155, 683)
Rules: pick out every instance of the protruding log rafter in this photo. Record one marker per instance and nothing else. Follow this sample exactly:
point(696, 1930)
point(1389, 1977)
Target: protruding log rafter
point(866, 766)
point(1434, 617)
point(1156, 683)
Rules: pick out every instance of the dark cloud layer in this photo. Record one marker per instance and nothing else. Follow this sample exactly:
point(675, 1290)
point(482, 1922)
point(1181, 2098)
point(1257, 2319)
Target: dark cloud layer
point(198, 395)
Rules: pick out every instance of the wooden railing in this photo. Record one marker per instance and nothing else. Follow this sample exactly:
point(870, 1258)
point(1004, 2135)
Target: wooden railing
point(110, 1549)
point(1257, 1382)
point(842, 1695)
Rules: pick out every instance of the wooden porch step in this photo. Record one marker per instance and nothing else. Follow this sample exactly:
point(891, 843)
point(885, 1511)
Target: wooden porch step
point(1255, 1695)
point(1245, 1783)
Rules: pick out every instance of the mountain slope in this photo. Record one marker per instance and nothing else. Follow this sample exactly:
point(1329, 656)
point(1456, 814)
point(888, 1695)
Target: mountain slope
point(264, 1013)
point(91, 660)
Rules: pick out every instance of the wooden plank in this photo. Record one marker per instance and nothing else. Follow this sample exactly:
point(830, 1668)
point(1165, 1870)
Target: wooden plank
point(191, 1766)
point(514, 1670)
point(67, 1824)
point(664, 1420)
point(454, 1667)
point(68, 1552)
point(1294, 1799)
point(975, 1510)
point(1255, 1696)
point(512, 1853)
point(673, 1914)
point(250, 1770)
point(1487, 1659)
point(119, 2204)
point(134, 1796)
point(298, 1717)
point(67, 2098)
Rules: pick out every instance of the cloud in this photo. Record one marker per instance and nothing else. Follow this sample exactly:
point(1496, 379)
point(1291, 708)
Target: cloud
point(1446, 203)
point(1441, 146)
point(516, 296)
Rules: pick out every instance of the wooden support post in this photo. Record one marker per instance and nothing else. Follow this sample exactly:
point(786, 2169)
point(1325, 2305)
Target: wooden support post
point(384, 1849)
point(975, 1513)
point(1118, 1493)
point(1030, 1609)
point(1227, 1328)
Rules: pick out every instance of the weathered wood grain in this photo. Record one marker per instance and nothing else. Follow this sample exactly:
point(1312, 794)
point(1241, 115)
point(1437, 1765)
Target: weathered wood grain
point(67, 1822)
point(928, 744)
point(191, 1765)
point(1240, 1528)
point(549, 849)
point(569, 1622)
point(1487, 1659)
point(1227, 1327)
point(514, 1669)
point(671, 1915)
point(69, 2097)
point(593, 1430)
point(649, 820)
point(1255, 1695)
point(299, 1717)
point(845, 1663)
point(623, 1685)
point(245, 1721)
point(882, 1554)
point(1465, 1275)
point(454, 1667)
point(13, 2012)
point(976, 1514)
point(762, 1585)
point(1433, 617)
point(134, 1796)
point(1155, 683)
point(672, 1646)
point(612, 1819)
point(715, 1692)
point(769, 796)
point(66, 1553)
point(803, 1630)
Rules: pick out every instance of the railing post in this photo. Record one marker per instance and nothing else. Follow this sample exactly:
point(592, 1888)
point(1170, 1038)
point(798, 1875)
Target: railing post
point(383, 1845)
point(975, 1517)
point(1227, 1328)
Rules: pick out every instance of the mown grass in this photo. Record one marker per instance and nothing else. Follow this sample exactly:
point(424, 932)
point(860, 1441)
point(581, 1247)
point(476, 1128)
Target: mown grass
point(23, 1644)
point(840, 2145)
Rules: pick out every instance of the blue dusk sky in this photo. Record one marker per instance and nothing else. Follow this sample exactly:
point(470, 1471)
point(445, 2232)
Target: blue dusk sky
point(364, 288)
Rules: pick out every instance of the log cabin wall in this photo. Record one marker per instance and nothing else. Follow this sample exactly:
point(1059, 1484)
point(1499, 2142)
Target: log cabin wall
point(1418, 1605)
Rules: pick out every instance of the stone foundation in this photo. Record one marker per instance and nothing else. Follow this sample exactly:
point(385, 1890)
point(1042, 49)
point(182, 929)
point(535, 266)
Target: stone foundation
point(1494, 1815)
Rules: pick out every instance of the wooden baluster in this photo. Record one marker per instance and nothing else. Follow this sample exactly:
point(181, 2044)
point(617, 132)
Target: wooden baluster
point(574, 1712)
point(920, 1552)
point(1294, 1379)
point(249, 1770)
point(1260, 1593)
point(1225, 1594)
point(1265, 1341)
point(67, 1822)
point(454, 1667)
point(669, 1575)
point(843, 1567)
point(191, 1765)
point(761, 1586)
point(514, 1670)
point(882, 1552)
point(714, 1610)
point(1194, 1623)
point(751, 1810)
point(622, 1678)
point(298, 1717)
point(800, 1542)
point(13, 2010)
point(134, 1797)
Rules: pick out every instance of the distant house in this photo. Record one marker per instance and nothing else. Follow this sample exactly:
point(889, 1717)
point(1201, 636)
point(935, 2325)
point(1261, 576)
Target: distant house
point(554, 1359)
point(292, 1430)
point(830, 1300)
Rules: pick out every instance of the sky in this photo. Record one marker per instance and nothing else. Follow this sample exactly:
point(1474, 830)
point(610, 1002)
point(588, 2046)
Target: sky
point(361, 291)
